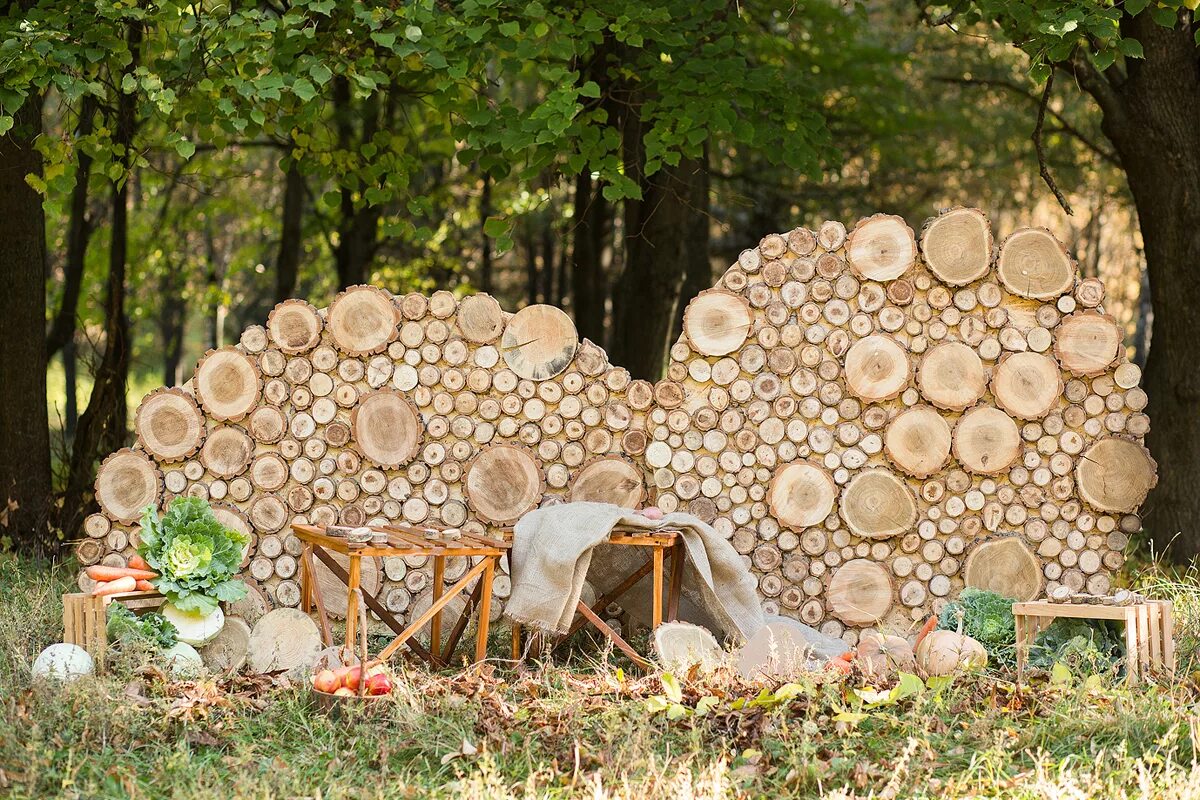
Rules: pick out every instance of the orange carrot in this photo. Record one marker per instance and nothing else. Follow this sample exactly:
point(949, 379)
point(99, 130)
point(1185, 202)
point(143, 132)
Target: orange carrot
point(137, 562)
point(927, 628)
point(841, 665)
point(145, 586)
point(847, 656)
point(125, 584)
point(103, 573)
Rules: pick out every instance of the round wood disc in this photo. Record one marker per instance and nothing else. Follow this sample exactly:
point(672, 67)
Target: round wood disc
point(801, 495)
point(716, 322)
point(386, 428)
point(503, 482)
point(957, 245)
point(986, 441)
point(609, 479)
point(539, 342)
point(169, 424)
point(951, 376)
point(860, 592)
point(877, 504)
point(268, 513)
point(362, 320)
point(227, 451)
point(227, 384)
point(283, 639)
point(267, 424)
point(1034, 264)
point(877, 368)
point(1005, 566)
point(1087, 342)
point(480, 318)
point(126, 483)
point(881, 248)
point(253, 606)
point(227, 652)
point(295, 326)
point(1027, 385)
point(1115, 475)
point(269, 471)
point(333, 591)
point(918, 441)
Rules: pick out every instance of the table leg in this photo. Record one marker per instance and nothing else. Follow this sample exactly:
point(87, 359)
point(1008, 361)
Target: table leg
point(658, 586)
point(516, 641)
point(355, 578)
point(678, 557)
point(1131, 645)
point(435, 627)
point(485, 611)
point(306, 580)
point(311, 571)
point(1022, 646)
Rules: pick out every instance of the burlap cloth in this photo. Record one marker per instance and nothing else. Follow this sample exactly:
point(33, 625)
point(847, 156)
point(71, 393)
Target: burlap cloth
point(557, 547)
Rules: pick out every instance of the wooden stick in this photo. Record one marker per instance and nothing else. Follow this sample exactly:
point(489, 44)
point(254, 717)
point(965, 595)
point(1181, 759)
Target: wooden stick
point(310, 579)
point(353, 583)
point(613, 636)
point(612, 595)
point(461, 624)
point(657, 604)
point(1131, 645)
point(437, 606)
point(485, 611)
point(439, 577)
point(678, 559)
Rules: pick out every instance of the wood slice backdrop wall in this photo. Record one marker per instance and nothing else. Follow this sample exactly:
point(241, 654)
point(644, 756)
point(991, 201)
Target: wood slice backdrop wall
point(871, 420)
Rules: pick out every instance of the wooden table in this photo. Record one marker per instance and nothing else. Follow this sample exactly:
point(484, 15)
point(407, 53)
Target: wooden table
point(404, 540)
point(1149, 631)
point(660, 543)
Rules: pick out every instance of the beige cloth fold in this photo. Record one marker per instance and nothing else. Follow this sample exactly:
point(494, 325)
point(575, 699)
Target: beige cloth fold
point(556, 548)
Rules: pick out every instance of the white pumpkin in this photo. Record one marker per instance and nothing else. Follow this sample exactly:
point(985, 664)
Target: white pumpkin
point(946, 652)
point(194, 628)
point(65, 662)
point(881, 655)
point(182, 660)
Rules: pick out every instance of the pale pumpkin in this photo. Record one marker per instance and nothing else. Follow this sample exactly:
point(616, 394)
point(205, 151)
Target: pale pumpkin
point(946, 652)
point(881, 655)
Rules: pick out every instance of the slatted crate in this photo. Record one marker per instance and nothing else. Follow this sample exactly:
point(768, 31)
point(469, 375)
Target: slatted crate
point(85, 618)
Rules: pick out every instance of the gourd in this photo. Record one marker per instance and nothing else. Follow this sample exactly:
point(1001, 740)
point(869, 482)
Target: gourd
point(194, 629)
point(65, 662)
point(946, 652)
point(182, 660)
point(882, 655)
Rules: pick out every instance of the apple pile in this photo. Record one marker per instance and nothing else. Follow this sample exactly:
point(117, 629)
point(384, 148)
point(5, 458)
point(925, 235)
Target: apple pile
point(345, 681)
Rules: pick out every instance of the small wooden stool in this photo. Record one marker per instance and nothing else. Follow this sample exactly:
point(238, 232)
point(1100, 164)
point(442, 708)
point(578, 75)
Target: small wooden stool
point(659, 542)
point(403, 540)
point(1149, 631)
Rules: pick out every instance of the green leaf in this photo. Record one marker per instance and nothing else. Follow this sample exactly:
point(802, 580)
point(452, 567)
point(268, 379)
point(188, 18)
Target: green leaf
point(590, 89)
point(304, 89)
point(1131, 48)
point(185, 148)
point(1060, 674)
point(672, 688)
point(6, 123)
point(384, 39)
point(495, 226)
point(1135, 7)
point(320, 73)
point(413, 33)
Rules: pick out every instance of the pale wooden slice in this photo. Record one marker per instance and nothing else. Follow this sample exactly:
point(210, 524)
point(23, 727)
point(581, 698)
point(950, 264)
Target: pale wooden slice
point(282, 640)
point(268, 513)
point(295, 326)
point(1027, 385)
point(333, 591)
point(801, 495)
point(503, 482)
point(918, 441)
point(881, 248)
point(269, 472)
point(717, 322)
point(986, 441)
point(1087, 342)
point(957, 245)
point(609, 479)
point(227, 451)
point(267, 424)
point(127, 482)
point(169, 424)
point(386, 428)
point(253, 606)
point(1115, 475)
point(951, 376)
point(227, 384)
point(1005, 566)
point(480, 318)
point(363, 320)
point(877, 504)
point(539, 342)
point(877, 368)
point(1034, 264)
point(681, 645)
point(227, 652)
point(860, 592)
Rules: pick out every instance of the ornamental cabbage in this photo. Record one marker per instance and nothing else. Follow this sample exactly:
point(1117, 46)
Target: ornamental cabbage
point(197, 557)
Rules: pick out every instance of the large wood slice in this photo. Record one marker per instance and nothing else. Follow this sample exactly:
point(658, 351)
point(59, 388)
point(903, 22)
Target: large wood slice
point(609, 479)
point(1115, 475)
point(716, 322)
point(801, 495)
point(169, 424)
point(1027, 385)
point(295, 326)
point(253, 606)
point(986, 441)
point(283, 640)
point(227, 451)
point(860, 592)
point(1087, 343)
point(1005, 566)
point(957, 245)
point(480, 318)
point(918, 441)
point(269, 471)
point(539, 342)
point(267, 424)
point(1034, 264)
point(877, 504)
point(333, 591)
point(877, 368)
point(951, 376)
point(126, 483)
point(386, 428)
point(227, 384)
point(268, 513)
point(502, 483)
point(227, 652)
point(881, 248)
point(362, 320)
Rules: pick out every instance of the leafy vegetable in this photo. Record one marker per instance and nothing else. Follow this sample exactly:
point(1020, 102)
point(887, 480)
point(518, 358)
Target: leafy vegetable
point(197, 557)
point(986, 617)
point(152, 628)
point(1083, 646)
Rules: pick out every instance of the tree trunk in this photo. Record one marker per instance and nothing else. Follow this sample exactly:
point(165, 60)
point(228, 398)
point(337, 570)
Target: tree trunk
point(172, 325)
point(216, 317)
point(588, 290)
point(287, 261)
point(531, 269)
point(79, 232)
point(70, 389)
point(485, 253)
point(24, 422)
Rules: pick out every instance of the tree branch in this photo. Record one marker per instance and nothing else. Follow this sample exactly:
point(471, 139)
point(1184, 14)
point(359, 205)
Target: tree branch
point(1043, 168)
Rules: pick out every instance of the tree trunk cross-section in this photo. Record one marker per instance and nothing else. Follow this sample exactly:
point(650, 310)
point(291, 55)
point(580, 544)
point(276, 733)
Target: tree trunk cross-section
point(126, 483)
point(386, 428)
point(503, 482)
point(717, 322)
point(877, 368)
point(1027, 385)
point(957, 246)
point(1115, 475)
point(610, 479)
point(986, 441)
point(951, 376)
point(169, 424)
point(362, 320)
point(881, 248)
point(227, 384)
point(860, 592)
point(1087, 343)
point(801, 495)
point(295, 326)
point(877, 504)
point(1034, 264)
point(539, 342)
point(1005, 566)
point(918, 441)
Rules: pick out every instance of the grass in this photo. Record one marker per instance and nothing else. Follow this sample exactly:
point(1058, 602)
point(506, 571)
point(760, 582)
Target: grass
point(577, 730)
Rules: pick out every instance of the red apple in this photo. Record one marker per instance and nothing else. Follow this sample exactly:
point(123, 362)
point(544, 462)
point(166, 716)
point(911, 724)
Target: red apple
point(379, 683)
point(351, 678)
point(326, 681)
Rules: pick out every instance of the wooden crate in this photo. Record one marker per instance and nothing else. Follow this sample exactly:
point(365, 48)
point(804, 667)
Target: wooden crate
point(85, 618)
